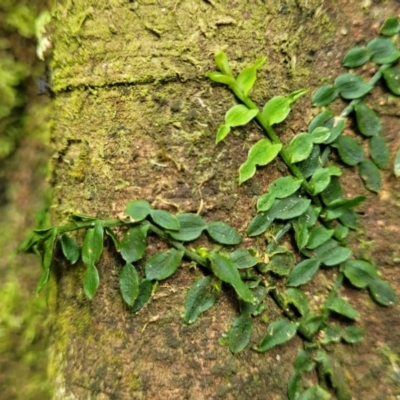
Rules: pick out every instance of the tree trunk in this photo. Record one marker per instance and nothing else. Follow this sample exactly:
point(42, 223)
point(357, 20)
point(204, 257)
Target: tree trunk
point(135, 117)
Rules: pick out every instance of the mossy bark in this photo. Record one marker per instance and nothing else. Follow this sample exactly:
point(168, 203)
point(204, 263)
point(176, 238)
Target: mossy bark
point(135, 118)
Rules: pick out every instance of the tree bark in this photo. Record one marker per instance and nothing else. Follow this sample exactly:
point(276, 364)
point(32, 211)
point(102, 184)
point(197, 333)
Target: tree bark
point(135, 118)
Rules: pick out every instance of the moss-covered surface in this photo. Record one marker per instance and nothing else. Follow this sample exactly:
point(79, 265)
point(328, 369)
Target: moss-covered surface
point(135, 117)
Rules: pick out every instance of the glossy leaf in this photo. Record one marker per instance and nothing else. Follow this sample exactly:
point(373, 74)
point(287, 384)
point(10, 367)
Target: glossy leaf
point(303, 272)
point(248, 76)
point(138, 210)
point(221, 78)
point(360, 273)
point(262, 153)
point(371, 175)
point(198, 299)
point(390, 27)
point(133, 244)
point(278, 332)
point(382, 292)
point(192, 226)
point(222, 133)
point(145, 290)
point(330, 253)
point(163, 264)
point(91, 281)
point(242, 258)
point(350, 152)
point(289, 207)
point(338, 207)
point(324, 96)
point(318, 235)
point(69, 248)
point(300, 147)
point(239, 334)
point(392, 79)
point(383, 51)
point(396, 168)
point(352, 334)
point(356, 57)
point(165, 219)
point(342, 306)
point(223, 233)
point(351, 86)
point(368, 121)
point(379, 151)
point(226, 271)
point(259, 224)
point(129, 284)
point(221, 61)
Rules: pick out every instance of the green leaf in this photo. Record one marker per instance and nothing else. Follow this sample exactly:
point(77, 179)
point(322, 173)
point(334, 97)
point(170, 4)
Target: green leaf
point(47, 259)
point(310, 217)
point(342, 306)
point(222, 133)
point(336, 126)
point(301, 235)
point(390, 27)
point(300, 147)
point(330, 253)
point(258, 306)
point(330, 334)
point(289, 207)
point(382, 292)
point(165, 219)
point(312, 324)
point(93, 244)
point(303, 361)
point(221, 78)
point(303, 272)
point(371, 175)
point(91, 281)
point(341, 232)
point(320, 180)
point(276, 110)
point(368, 121)
point(333, 192)
point(337, 208)
point(396, 168)
point(294, 386)
point(383, 51)
point(352, 334)
point(320, 134)
point(280, 264)
point(314, 393)
point(284, 187)
point(312, 163)
point(379, 151)
point(138, 210)
point(324, 96)
point(192, 225)
point(298, 299)
point(225, 270)
point(248, 76)
point(198, 299)
point(278, 332)
point(242, 258)
point(133, 244)
point(318, 235)
point(223, 233)
point(320, 119)
point(360, 273)
point(221, 61)
point(69, 248)
point(163, 264)
point(351, 86)
point(265, 202)
point(117, 244)
point(239, 334)
point(145, 289)
point(129, 284)
point(350, 152)
point(392, 79)
point(259, 224)
point(292, 97)
point(356, 57)
point(262, 153)
point(239, 115)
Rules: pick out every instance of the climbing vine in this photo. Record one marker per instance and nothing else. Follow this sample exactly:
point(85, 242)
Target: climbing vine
point(308, 204)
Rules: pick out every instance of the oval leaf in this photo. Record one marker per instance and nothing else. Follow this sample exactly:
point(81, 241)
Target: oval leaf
point(133, 244)
point(303, 272)
point(371, 175)
point(165, 219)
point(163, 264)
point(324, 96)
point(242, 258)
point(248, 76)
point(392, 79)
point(350, 152)
point(341, 306)
point(352, 334)
point(383, 51)
point(145, 290)
point(356, 57)
point(284, 187)
point(69, 248)
point(129, 284)
point(192, 225)
point(360, 273)
point(93, 244)
point(318, 235)
point(239, 115)
point(382, 292)
point(138, 210)
point(289, 207)
point(259, 224)
point(330, 253)
point(222, 133)
point(351, 86)
point(91, 281)
point(300, 147)
point(379, 151)
point(368, 121)
point(278, 332)
point(390, 27)
point(223, 233)
point(276, 110)
point(239, 334)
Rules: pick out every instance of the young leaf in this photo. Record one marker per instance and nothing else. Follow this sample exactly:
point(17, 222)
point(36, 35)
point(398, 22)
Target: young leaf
point(360, 273)
point(259, 224)
point(225, 270)
point(341, 306)
point(356, 57)
point(351, 86)
point(382, 292)
point(379, 151)
point(198, 299)
point(371, 176)
point(129, 284)
point(262, 153)
point(69, 248)
point(242, 258)
point(223, 233)
point(383, 51)
point(165, 219)
point(222, 133)
point(318, 236)
point(390, 27)
point(138, 210)
point(303, 272)
point(133, 244)
point(276, 110)
point(93, 245)
point(300, 147)
point(352, 334)
point(192, 225)
point(163, 264)
point(392, 79)
point(368, 121)
point(145, 289)
point(221, 60)
point(248, 76)
point(239, 115)
point(320, 134)
point(239, 334)
point(284, 187)
point(278, 332)
point(349, 150)
point(324, 96)
point(91, 281)
point(221, 78)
